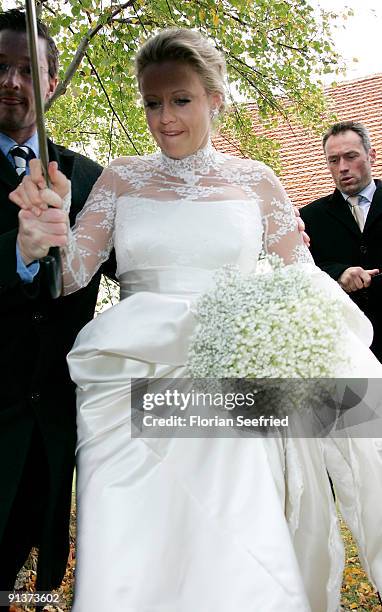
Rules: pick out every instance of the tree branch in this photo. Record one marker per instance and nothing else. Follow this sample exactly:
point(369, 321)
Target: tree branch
point(114, 112)
point(81, 52)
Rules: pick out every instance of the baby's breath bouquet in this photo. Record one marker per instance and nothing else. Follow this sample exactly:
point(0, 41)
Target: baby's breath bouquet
point(274, 324)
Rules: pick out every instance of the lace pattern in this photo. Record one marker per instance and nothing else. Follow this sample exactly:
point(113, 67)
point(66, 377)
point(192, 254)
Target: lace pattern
point(208, 207)
point(91, 240)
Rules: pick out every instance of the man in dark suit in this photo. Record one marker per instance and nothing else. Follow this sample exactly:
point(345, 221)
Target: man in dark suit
point(37, 398)
point(345, 228)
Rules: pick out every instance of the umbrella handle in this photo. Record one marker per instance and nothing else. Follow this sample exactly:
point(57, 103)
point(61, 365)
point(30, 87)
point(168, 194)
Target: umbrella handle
point(52, 262)
point(52, 267)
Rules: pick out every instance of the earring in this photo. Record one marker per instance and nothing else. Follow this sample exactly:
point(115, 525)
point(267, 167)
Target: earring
point(214, 113)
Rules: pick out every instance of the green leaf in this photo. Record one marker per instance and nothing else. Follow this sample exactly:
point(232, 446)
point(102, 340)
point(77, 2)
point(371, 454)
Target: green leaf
point(276, 53)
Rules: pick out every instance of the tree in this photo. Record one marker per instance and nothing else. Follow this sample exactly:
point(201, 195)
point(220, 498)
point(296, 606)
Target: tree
point(275, 50)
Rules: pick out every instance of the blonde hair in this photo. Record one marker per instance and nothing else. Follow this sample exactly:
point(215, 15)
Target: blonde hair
point(187, 46)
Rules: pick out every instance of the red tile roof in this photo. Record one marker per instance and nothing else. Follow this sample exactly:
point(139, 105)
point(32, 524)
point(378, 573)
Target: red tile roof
point(304, 172)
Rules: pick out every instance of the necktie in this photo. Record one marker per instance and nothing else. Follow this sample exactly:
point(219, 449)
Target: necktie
point(357, 211)
point(21, 156)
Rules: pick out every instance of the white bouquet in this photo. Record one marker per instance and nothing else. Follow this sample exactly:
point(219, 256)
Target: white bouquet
point(274, 324)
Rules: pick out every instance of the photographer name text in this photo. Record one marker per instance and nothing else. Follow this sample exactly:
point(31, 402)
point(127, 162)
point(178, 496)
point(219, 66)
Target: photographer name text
point(195, 420)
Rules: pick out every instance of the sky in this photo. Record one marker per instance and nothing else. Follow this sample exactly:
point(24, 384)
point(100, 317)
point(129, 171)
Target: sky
point(360, 36)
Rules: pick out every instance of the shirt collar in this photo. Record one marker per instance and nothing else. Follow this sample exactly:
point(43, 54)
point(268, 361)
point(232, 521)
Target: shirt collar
point(367, 192)
point(7, 143)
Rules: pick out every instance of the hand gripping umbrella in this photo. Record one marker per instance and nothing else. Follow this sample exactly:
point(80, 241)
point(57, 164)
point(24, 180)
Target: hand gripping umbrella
point(52, 262)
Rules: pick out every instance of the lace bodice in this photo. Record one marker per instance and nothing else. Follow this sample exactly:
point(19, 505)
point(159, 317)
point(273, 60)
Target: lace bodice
point(204, 211)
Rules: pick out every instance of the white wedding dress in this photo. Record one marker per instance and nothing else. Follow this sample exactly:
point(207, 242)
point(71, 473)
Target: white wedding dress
point(201, 524)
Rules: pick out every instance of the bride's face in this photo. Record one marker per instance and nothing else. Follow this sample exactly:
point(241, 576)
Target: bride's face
point(178, 108)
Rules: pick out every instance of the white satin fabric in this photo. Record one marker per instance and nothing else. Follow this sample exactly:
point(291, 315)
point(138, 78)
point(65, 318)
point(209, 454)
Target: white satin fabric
point(203, 524)
point(188, 524)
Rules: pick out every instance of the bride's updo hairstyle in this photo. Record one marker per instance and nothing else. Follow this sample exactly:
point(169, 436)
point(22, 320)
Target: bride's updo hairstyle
point(187, 46)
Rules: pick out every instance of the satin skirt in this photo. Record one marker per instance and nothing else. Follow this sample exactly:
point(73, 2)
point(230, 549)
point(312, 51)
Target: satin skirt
point(202, 524)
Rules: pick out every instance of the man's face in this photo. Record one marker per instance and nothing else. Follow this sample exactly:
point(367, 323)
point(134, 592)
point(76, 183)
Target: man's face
point(348, 161)
point(17, 113)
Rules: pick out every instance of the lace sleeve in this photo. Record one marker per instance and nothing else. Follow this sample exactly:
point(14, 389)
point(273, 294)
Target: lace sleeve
point(91, 238)
point(281, 235)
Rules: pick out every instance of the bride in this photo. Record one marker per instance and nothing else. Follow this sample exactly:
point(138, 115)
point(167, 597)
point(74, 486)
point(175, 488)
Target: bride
point(185, 525)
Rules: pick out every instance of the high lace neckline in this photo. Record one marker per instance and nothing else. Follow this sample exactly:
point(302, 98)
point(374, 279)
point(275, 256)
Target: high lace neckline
point(192, 167)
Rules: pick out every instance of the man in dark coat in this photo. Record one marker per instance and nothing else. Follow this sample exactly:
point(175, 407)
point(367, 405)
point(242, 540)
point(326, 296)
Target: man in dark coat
point(37, 398)
point(345, 227)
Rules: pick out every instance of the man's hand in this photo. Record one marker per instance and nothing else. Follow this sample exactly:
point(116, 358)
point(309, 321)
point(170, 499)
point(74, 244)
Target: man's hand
point(301, 227)
point(32, 193)
point(38, 233)
point(356, 278)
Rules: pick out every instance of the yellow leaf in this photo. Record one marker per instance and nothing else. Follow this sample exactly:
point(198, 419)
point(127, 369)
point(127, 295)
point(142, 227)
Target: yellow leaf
point(353, 606)
point(215, 20)
point(202, 14)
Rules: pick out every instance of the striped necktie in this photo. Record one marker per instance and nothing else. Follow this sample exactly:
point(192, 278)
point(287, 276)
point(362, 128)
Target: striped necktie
point(357, 211)
point(21, 156)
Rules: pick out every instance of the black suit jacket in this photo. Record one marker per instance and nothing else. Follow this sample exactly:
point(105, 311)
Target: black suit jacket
point(36, 334)
point(337, 243)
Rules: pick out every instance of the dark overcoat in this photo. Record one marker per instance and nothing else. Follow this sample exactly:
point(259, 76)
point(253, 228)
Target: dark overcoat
point(36, 334)
point(337, 243)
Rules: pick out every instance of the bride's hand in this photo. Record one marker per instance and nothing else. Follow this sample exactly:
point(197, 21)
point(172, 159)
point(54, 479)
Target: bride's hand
point(301, 227)
point(32, 194)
